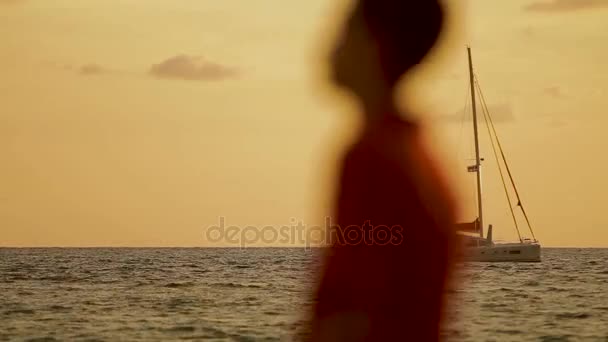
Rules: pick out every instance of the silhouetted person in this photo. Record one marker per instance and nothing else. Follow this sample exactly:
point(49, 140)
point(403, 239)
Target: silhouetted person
point(374, 289)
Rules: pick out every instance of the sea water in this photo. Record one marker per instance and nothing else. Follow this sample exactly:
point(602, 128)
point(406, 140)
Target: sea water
point(111, 294)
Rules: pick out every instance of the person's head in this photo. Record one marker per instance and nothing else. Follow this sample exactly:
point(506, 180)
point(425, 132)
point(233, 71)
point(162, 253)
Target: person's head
point(381, 41)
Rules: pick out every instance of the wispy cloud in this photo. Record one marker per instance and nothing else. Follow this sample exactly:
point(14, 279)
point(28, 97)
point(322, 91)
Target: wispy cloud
point(192, 68)
point(555, 92)
point(553, 6)
point(10, 2)
point(557, 123)
point(528, 31)
point(88, 69)
point(498, 112)
point(92, 69)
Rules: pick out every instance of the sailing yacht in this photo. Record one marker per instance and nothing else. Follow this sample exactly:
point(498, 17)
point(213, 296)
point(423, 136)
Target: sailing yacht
point(478, 247)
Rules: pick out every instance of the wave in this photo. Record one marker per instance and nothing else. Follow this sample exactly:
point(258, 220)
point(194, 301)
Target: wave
point(237, 285)
point(175, 285)
point(572, 315)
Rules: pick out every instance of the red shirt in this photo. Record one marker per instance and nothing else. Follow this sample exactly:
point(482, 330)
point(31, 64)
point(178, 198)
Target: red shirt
point(378, 289)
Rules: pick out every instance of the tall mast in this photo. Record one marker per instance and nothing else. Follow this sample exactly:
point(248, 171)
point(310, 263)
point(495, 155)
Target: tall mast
point(477, 159)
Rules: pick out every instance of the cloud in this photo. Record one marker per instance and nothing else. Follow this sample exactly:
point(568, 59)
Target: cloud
point(553, 6)
point(89, 69)
point(192, 68)
point(528, 31)
point(498, 112)
point(454, 76)
point(557, 123)
point(555, 92)
point(92, 69)
point(10, 2)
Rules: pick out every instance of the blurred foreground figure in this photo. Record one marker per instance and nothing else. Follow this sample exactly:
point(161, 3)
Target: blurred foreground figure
point(394, 242)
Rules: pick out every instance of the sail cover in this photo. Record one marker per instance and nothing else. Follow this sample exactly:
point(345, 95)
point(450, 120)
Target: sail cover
point(468, 227)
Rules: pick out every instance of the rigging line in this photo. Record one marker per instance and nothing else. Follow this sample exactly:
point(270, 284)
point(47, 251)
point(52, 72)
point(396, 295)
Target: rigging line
point(486, 115)
point(519, 204)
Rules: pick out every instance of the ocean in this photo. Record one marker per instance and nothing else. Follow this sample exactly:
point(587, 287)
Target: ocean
point(261, 294)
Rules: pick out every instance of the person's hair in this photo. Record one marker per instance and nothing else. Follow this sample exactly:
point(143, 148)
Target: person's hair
point(404, 30)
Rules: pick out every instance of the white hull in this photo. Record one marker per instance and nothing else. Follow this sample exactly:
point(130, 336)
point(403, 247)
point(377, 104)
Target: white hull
point(513, 252)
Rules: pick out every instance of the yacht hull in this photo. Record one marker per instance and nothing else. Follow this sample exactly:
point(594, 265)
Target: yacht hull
point(505, 252)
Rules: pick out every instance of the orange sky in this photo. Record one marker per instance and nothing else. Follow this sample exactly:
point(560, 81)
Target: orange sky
point(124, 124)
